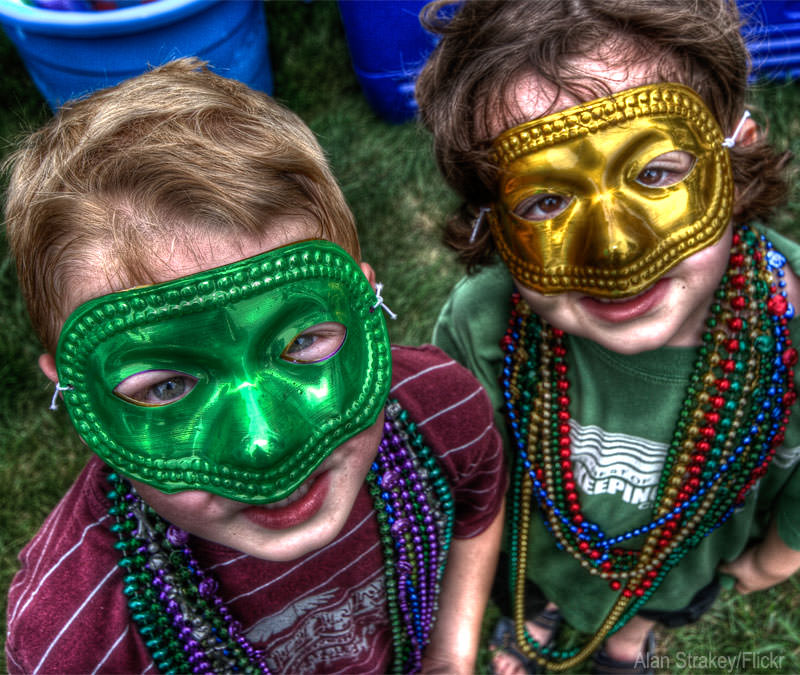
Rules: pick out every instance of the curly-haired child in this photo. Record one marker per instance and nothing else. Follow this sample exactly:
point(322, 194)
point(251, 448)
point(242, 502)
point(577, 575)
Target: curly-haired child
point(637, 337)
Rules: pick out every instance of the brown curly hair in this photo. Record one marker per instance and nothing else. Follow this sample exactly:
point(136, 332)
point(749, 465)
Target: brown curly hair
point(488, 45)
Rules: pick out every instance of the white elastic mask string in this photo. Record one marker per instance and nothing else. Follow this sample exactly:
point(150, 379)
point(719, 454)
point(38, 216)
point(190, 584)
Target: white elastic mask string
point(54, 400)
point(476, 224)
point(731, 140)
point(381, 303)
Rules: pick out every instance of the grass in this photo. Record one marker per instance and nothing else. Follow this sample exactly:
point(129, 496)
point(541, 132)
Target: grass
point(389, 178)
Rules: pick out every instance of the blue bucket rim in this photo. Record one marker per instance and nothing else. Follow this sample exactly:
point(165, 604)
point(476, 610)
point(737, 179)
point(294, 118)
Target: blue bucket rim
point(15, 13)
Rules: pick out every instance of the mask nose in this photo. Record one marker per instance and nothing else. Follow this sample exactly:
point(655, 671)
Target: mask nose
point(615, 236)
point(244, 432)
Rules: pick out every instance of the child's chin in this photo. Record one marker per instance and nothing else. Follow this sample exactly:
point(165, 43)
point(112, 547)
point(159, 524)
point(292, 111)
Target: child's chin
point(285, 546)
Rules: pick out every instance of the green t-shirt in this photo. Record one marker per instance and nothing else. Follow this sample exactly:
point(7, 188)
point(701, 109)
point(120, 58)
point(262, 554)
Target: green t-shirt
point(623, 410)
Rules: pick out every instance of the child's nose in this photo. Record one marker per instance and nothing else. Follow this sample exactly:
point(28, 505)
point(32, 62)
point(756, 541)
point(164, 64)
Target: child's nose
point(615, 235)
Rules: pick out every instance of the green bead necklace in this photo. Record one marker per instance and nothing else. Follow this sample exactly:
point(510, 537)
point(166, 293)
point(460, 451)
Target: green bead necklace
point(184, 622)
point(733, 419)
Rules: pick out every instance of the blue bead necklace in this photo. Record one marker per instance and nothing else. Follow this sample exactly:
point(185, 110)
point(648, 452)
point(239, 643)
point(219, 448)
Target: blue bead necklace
point(732, 421)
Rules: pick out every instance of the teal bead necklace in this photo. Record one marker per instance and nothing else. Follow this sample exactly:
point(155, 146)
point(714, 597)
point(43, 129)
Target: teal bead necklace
point(732, 421)
point(185, 624)
point(415, 513)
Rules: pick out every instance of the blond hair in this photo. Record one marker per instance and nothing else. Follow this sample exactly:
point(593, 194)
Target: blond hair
point(155, 158)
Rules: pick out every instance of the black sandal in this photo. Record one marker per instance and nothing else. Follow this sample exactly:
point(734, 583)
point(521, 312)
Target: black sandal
point(504, 637)
point(548, 619)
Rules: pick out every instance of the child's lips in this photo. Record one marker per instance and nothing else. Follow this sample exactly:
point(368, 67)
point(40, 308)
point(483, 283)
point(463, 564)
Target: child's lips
point(626, 309)
point(295, 509)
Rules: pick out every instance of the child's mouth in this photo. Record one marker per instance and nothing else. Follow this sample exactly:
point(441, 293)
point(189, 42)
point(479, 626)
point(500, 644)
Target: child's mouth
point(293, 510)
point(626, 309)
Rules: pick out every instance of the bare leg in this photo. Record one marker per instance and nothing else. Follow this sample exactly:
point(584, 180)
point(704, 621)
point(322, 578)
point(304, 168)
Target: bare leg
point(627, 643)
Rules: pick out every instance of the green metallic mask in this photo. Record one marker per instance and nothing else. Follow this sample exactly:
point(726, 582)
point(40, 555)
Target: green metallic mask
point(238, 380)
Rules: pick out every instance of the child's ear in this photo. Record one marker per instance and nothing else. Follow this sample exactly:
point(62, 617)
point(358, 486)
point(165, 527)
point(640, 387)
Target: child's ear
point(749, 133)
point(366, 268)
point(48, 365)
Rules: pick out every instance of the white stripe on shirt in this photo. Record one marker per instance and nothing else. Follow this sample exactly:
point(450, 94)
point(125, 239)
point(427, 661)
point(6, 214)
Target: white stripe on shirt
point(475, 393)
point(111, 649)
point(114, 569)
point(311, 591)
point(55, 567)
point(420, 373)
point(336, 541)
point(30, 578)
point(489, 428)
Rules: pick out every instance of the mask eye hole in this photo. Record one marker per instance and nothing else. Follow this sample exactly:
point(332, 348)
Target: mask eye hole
point(317, 343)
point(155, 387)
point(542, 206)
point(667, 169)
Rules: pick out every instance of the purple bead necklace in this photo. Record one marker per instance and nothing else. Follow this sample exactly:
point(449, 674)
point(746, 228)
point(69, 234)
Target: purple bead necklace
point(186, 625)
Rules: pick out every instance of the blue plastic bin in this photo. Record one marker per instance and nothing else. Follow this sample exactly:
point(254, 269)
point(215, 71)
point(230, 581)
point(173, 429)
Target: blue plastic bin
point(772, 32)
point(69, 54)
point(388, 47)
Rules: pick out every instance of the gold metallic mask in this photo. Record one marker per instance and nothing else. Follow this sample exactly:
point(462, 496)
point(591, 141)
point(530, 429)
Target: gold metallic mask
point(615, 235)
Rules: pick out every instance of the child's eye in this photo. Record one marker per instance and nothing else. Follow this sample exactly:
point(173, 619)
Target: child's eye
point(155, 387)
point(316, 343)
point(543, 206)
point(667, 169)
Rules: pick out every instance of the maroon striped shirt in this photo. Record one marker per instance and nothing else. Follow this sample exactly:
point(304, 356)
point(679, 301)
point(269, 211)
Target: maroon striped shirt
point(324, 612)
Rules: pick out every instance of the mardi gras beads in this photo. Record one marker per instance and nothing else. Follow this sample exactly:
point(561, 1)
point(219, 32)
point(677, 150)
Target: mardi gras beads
point(732, 420)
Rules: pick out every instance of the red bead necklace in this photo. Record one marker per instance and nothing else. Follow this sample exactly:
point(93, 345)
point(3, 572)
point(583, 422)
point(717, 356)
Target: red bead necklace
point(732, 420)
